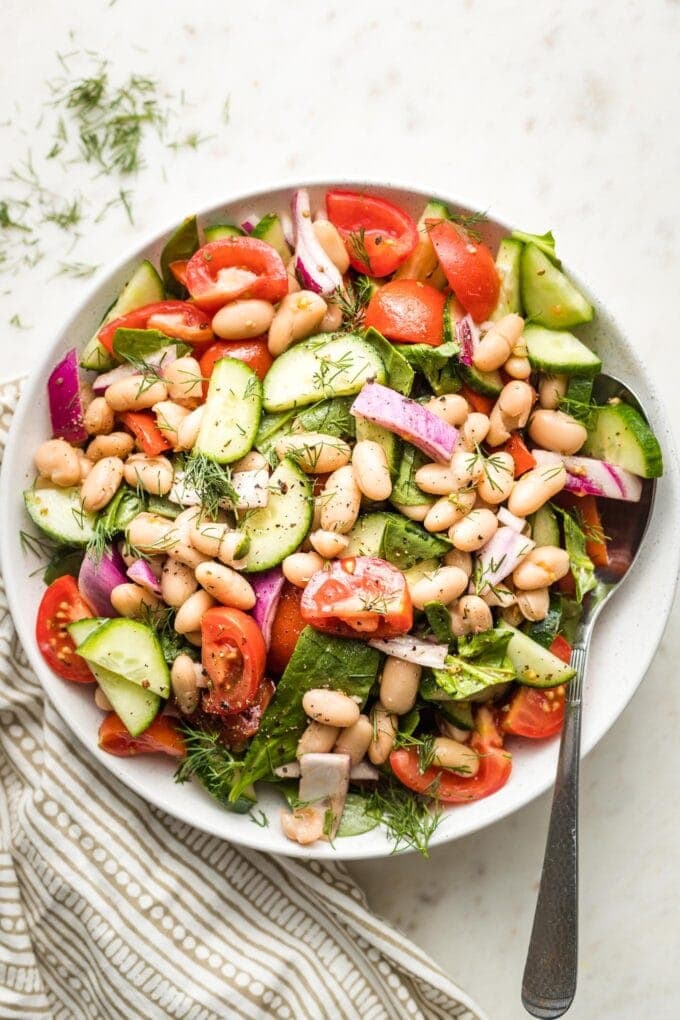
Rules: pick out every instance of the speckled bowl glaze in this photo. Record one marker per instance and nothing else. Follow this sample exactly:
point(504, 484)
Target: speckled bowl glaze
point(625, 641)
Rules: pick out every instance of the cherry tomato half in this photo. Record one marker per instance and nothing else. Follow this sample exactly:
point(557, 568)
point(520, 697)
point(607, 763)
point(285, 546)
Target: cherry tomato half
point(469, 267)
point(357, 596)
point(378, 235)
point(408, 311)
point(236, 730)
point(233, 656)
point(524, 460)
point(287, 626)
point(535, 713)
point(162, 737)
point(60, 605)
point(495, 766)
point(235, 267)
point(253, 352)
point(177, 319)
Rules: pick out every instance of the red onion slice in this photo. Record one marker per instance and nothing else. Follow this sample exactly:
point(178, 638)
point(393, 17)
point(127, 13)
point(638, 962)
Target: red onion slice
point(587, 476)
point(315, 269)
point(66, 405)
point(267, 588)
point(97, 579)
point(499, 557)
point(467, 335)
point(412, 649)
point(408, 419)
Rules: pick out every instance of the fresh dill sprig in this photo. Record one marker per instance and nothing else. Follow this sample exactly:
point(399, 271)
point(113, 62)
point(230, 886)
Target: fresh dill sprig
point(357, 242)
point(17, 323)
point(424, 744)
point(410, 820)
point(7, 221)
point(259, 818)
point(352, 300)
point(69, 216)
point(211, 481)
point(210, 761)
point(583, 412)
point(36, 545)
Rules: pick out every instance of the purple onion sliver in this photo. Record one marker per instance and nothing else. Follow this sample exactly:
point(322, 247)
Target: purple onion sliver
point(66, 405)
point(141, 573)
point(407, 419)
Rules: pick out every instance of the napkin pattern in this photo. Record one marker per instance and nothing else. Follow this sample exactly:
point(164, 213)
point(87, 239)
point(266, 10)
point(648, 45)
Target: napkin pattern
point(110, 908)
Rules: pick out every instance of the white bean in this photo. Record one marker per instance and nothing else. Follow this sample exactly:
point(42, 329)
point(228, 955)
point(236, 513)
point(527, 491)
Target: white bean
point(315, 452)
point(184, 685)
point(98, 418)
point(473, 432)
point(470, 615)
point(541, 567)
point(551, 391)
point(178, 582)
point(328, 544)
point(151, 533)
point(101, 701)
point(497, 344)
point(132, 600)
point(385, 726)
point(457, 558)
point(534, 604)
point(184, 381)
point(450, 407)
point(298, 316)
point(399, 685)
point(115, 444)
point(299, 567)
point(252, 461)
point(510, 412)
point(340, 501)
point(102, 483)
point(371, 471)
point(207, 536)
point(332, 320)
point(332, 708)
point(354, 740)
point(444, 585)
point(226, 585)
point(58, 462)
point(498, 479)
point(474, 531)
point(243, 320)
point(450, 754)
point(317, 739)
point(535, 488)
point(305, 825)
point(135, 394)
point(190, 614)
point(418, 512)
point(449, 509)
point(169, 417)
point(187, 432)
point(153, 474)
point(555, 430)
point(437, 479)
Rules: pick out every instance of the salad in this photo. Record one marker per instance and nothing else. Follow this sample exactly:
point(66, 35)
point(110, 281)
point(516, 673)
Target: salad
point(323, 499)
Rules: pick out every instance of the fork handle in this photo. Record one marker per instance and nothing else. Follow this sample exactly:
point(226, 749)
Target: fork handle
point(549, 982)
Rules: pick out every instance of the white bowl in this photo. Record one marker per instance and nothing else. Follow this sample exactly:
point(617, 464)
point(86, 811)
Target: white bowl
point(627, 634)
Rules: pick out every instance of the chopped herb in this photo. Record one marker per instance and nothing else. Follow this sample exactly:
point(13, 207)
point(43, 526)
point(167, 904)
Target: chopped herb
point(357, 242)
point(212, 482)
point(410, 819)
point(78, 270)
point(210, 761)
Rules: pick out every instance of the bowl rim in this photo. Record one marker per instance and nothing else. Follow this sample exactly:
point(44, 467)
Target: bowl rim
point(36, 379)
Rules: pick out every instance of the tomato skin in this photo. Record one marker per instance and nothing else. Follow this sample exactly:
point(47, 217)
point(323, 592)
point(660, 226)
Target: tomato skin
point(389, 234)
point(233, 656)
point(257, 271)
point(469, 267)
point(254, 353)
point(142, 425)
point(287, 626)
point(60, 605)
point(358, 596)
point(180, 320)
point(495, 766)
point(236, 730)
point(561, 648)
point(162, 737)
point(535, 713)
point(408, 311)
point(179, 270)
point(524, 460)
point(596, 543)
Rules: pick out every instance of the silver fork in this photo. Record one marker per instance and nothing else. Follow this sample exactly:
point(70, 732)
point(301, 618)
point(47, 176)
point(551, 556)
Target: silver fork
point(549, 982)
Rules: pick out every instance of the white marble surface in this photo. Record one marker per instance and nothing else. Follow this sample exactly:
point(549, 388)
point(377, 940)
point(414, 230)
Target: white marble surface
point(561, 116)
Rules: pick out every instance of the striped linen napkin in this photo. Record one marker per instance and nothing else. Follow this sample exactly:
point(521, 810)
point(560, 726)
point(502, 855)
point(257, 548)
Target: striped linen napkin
point(110, 908)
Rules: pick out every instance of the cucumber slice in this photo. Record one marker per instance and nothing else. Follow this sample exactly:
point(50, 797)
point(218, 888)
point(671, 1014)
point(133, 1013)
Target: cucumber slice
point(458, 713)
point(132, 651)
point(488, 383)
point(549, 298)
point(232, 412)
point(59, 513)
point(621, 435)
point(269, 229)
point(276, 530)
point(390, 443)
point(508, 259)
point(222, 230)
point(135, 707)
point(181, 245)
point(143, 288)
point(534, 665)
point(321, 367)
point(420, 570)
point(544, 527)
point(560, 353)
